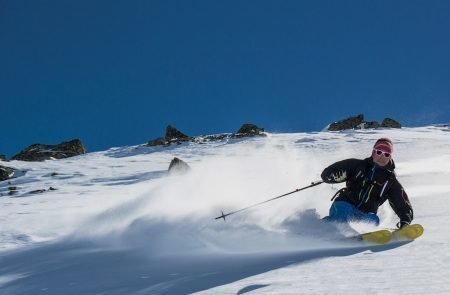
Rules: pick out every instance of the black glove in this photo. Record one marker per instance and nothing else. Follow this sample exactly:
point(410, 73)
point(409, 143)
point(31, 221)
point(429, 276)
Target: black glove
point(338, 176)
point(401, 224)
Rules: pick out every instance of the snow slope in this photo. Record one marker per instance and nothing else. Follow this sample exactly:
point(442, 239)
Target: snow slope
point(118, 224)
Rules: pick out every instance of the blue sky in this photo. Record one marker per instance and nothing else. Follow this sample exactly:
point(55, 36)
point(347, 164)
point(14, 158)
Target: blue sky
point(115, 73)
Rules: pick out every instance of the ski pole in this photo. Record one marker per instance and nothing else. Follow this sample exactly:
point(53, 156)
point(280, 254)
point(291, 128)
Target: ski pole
point(257, 204)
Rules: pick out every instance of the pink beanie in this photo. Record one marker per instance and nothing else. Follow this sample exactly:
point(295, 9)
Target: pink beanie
point(385, 145)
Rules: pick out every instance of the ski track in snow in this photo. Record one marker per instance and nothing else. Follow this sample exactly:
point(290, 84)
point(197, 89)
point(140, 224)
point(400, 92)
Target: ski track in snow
point(118, 224)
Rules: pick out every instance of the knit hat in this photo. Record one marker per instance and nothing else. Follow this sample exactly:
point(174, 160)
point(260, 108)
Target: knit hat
point(385, 145)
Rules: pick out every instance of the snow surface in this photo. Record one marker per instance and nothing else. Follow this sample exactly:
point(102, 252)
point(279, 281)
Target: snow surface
point(118, 224)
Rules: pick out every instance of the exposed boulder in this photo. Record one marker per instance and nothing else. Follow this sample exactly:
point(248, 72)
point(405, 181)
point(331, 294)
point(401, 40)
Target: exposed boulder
point(390, 123)
point(173, 134)
point(349, 123)
point(157, 141)
point(6, 173)
point(41, 152)
point(3, 158)
point(371, 125)
point(12, 190)
point(178, 167)
point(250, 130)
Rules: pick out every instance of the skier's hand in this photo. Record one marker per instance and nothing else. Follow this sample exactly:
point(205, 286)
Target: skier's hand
point(338, 176)
point(401, 224)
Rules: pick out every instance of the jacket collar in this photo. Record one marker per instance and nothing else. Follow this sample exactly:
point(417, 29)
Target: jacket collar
point(390, 167)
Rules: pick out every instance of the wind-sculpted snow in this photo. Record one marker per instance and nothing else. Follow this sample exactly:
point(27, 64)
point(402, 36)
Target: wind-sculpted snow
point(118, 224)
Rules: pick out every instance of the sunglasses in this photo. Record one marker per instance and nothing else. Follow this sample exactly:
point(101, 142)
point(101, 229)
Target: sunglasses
point(378, 152)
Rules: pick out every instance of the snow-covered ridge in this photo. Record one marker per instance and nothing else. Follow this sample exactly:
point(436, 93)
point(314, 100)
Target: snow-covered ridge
point(116, 214)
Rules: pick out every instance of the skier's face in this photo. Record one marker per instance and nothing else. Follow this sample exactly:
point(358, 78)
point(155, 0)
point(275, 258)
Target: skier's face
point(381, 158)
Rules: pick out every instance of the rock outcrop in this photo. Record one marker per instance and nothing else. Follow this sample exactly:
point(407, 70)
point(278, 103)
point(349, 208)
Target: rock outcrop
point(175, 136)
point(349, 123)
point(371, 125)
point(3, 158)
point(359, 123)
point(6, 173)
point(178, 166)
point(157, 141)
point(41, 152)
point(390, 123)
point(250, 130)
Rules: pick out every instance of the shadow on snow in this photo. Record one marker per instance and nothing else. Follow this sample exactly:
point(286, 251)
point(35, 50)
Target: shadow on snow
point(84, 268)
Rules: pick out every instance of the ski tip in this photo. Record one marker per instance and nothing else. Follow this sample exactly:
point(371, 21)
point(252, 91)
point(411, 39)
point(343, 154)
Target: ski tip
point(410, 232)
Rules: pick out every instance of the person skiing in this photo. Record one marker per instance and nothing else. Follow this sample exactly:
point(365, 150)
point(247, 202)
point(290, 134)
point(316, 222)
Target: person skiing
point(369, 183)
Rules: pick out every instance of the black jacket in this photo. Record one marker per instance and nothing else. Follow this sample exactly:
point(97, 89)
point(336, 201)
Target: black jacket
point(369, 185)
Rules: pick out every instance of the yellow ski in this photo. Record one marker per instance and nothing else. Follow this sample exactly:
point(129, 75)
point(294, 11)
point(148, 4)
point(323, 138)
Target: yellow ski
point(408, 232)
point(378, 237)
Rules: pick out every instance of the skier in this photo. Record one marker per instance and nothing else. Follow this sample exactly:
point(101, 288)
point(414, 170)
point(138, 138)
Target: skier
point(369, 183)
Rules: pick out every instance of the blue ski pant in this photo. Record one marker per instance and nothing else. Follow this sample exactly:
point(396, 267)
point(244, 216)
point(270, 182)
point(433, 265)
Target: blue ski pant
point(342, 211)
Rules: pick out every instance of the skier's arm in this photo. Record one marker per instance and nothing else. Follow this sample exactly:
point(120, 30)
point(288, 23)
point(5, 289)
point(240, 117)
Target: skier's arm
point(340, 171)
point(398, 199)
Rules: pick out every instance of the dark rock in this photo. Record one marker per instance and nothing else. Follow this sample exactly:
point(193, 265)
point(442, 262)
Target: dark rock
point(349, 123)
point(358, 121)
point(12, 190)
point(218, 136)
point(250, 130)
point(41, 152)
point(390, 123)
point(41, 191)
point(175, 136)
point(6, 173)
point(373, 124)
point(213, 137)
point(172, 134)
point(178, 166)
point(3, 158)
point(157, 141)
point(38, 191)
